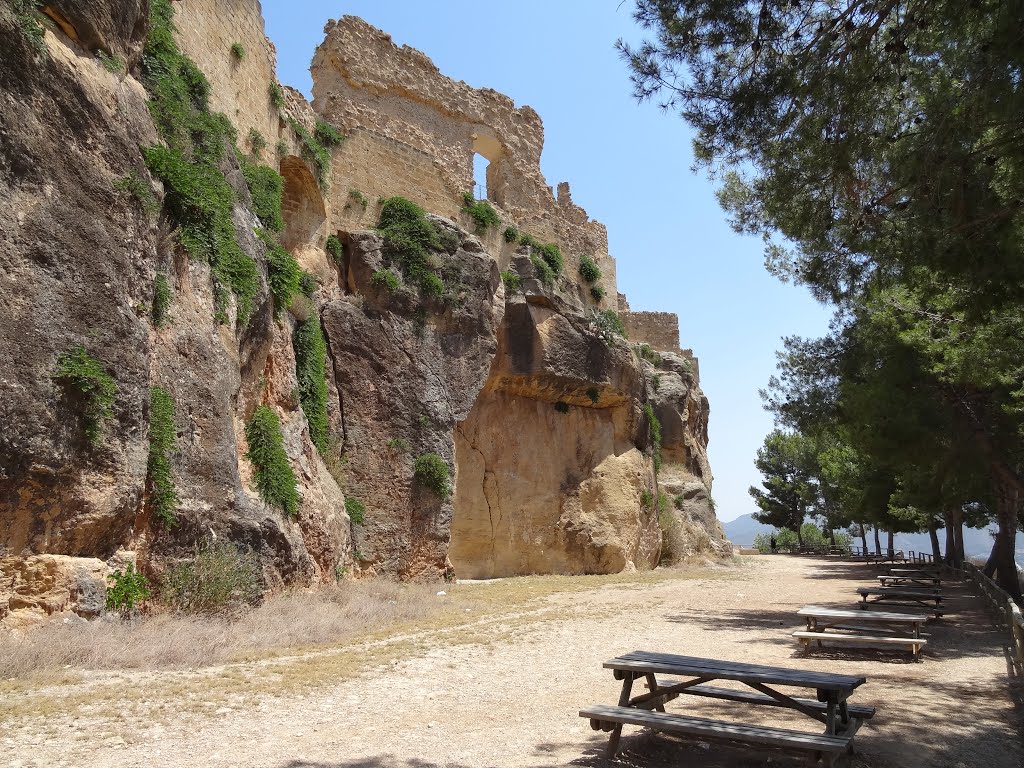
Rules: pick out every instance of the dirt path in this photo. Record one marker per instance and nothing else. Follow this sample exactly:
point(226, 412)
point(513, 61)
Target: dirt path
point(506, 692)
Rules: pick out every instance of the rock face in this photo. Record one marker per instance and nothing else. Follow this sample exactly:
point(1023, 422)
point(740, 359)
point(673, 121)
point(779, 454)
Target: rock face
point(407, 372)
point(519, 387)
point(40, 586)
point(77, 265)
point(690, 528)
point(550, 475)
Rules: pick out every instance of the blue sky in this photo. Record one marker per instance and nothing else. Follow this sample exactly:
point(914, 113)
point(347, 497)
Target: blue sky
point(628, 165)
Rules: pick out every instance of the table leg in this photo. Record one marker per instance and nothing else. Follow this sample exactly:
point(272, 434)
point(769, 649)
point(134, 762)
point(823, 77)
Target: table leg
point(830, 713)
point(627, 689)
point(652, 684)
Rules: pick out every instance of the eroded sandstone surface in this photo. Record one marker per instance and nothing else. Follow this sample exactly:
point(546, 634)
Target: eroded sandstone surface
point(511, 376)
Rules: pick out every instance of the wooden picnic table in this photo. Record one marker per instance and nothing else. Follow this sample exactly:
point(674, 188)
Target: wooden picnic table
point(829, 706)
point(832, 624)
point(918, 580)
point(902, 595)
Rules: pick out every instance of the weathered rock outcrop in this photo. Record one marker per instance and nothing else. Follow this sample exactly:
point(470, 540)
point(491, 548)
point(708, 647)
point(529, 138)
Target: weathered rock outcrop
point(78, 260)
point(407, 371)
point(550, 473)
point(535, 407)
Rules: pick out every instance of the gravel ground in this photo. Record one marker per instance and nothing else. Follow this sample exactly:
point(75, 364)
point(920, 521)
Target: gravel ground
point(510, 697)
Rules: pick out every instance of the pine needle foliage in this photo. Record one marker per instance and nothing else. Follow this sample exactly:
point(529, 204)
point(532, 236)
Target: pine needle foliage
point(275, 479)
point(91, 387)
point(311, 371)
point(163, 497)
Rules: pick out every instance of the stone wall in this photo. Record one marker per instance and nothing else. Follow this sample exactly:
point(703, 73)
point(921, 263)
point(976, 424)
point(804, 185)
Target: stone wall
point(206, 31)
point(361, 79)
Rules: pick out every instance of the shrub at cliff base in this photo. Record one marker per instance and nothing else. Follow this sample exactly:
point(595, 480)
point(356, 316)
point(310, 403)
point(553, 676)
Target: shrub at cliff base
point(220, 578)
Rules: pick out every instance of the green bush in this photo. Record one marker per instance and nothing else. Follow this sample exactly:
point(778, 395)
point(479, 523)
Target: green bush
point(655, 382)
point(30, 21)
point(283, 272)
point(609, 325)
point(311, 372)
point(597, 293)
point(594, 395)
point(589, 270)
point(162, 298)
point(274, 477)
point(481, 211)
point(511, 234)
point(399, 444)
point(276, 93)
point(356, 510)
point(238, 51)
point(654, 430)
point(257, 143)
point(281, 148)
point(646, 352)
point(335, 248)
point(409, 237)
point(327, 135)
point(219, 579)
point(358, 197)
point(266, 187)
point(84, 379)
point(314, 152)
point(512, 281)
point(113, 63)
point(308, 285)
point(384, 278)
point(140, 191)
point(431, 471)
point(431, 285)
point(128, 591)
point(529, 240)
point(544, 273)
point(562, 407)
point(163, 498)
point(646, 499)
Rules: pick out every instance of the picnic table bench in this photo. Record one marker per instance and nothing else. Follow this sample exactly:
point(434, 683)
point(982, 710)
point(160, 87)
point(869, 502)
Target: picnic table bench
point(925, 598)
point(829, 706)
point(835, 625)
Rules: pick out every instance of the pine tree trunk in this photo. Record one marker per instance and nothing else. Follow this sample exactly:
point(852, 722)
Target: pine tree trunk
point(864, 538)
point(878, 542)
point(947, 517)
point(933, 534)
point(958, 540)
point(832, 535)
point(889, 549)
point(1007, 508)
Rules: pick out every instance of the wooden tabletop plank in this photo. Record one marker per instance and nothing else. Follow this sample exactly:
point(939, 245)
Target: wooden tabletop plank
point(900, 591)
point(667, 663)
point(881, 617)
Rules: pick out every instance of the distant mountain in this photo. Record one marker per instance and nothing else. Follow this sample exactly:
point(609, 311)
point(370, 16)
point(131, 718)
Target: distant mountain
point(743, 529)
point(977, 542)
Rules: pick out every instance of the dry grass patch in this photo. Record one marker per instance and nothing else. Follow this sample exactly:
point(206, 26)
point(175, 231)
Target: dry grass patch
point(168, 665)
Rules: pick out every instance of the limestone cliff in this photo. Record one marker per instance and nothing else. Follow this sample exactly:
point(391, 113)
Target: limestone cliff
point(505, 369)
